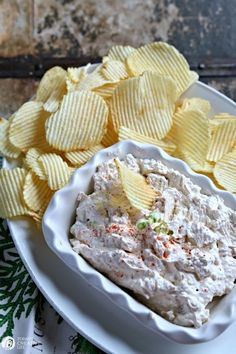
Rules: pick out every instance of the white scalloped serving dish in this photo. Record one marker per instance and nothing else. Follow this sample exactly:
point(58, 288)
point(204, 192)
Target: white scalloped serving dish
point(60, 215)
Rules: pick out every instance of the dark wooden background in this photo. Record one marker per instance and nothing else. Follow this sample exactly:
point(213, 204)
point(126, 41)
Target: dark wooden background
point(37, 34)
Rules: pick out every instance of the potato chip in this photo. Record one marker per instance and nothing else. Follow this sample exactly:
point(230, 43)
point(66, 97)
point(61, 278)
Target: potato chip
point(119, 52)
point(78, 158)
point(222, 140)
point(6, 148)
point(163, 59)
point(225, 171)
point(114, 71)
point(11, 193)
point(56, 170)
point(79, 123)
point(111, 136)
point(75, 76)
point(92, 81)
point(195, 103)
point(37, 217)
point(136, 189)
point(191, 134)
point(203, 167)
point(224, 116)
point(128, 134)
point(31, 161)
point(53, 102)
point(27, 128)
point(144, 104)
point(106, 91)
point(36, 192)
point(53, 81)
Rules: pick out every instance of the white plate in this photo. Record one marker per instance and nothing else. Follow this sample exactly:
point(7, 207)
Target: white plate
point(89, 311)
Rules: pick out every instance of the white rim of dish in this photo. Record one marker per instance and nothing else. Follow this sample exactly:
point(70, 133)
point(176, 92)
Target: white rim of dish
point(180, 334)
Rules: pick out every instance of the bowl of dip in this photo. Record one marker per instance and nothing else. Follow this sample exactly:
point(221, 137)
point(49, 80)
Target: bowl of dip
point(172, 266)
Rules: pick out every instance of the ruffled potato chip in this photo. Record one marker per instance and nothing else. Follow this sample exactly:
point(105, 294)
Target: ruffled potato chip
point(36, 192)
point(135, 187)
point(203, 167)
point(75, 76)
point(57, 171)
point(191, 134)
point(119, 52)
point(6, 148)
point(114, 71)
point(53, 102)
point(78, 158)
point(111, 136)
point(106, 91)
point(144, 104)
point(224, 116)
point(52, 80)
point(92, 81)
point(31, 161)
point(163, 59)
point(11, 193)
point(225, 171)
point(195, 103)
point(223, 138)
point(52, 88)
point(27, 128)
point(128, 134)
point(80, 123)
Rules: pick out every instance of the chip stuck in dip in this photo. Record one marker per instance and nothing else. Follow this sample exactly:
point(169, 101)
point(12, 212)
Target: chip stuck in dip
point(153, 231)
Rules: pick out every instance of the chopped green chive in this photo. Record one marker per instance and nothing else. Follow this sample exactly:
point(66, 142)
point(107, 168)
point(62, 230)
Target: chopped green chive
point(153, 217)
point(142, 224)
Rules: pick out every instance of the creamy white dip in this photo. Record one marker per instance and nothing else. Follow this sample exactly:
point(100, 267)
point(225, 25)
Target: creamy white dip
point(176, 257)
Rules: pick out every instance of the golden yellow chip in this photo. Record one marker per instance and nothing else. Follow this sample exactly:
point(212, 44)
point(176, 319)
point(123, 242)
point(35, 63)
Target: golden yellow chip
point(75, 76)
point(144, 104)
point(191, 134)
point(79, 123)
point(223, 139)
point(31, 161)
point(57, 171)
point(78, 158)
point(52, 87)
point(114, 71)
point(195, 103)
point(106, 91)
point(126, 134)
point(27, 128)
point(225, 171)
point(36, 192)
point(119, 52)
point(11, 193)
point(111, 136)
point(37, 217)
point(53, 102)
point(92, 81)
point(204, 167)
point(163, 59)
point(136, 189)
point(6, 148)
point(224, 116)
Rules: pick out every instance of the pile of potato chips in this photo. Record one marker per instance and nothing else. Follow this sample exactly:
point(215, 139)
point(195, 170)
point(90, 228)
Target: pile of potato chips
point(134, 94)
